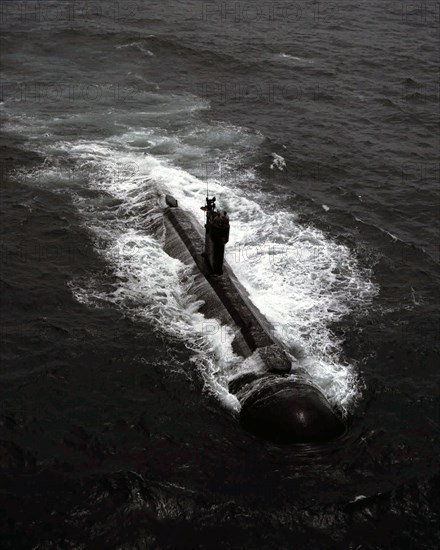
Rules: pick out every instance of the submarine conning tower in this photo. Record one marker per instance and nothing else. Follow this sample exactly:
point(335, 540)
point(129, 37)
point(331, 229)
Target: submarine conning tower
point(216, 236)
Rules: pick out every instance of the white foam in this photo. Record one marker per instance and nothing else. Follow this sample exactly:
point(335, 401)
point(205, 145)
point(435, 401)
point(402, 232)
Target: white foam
point(137, 45)
point(295, 58)
point(301, 280)
point(297, 277)
point(278, 162)
point(153, 286)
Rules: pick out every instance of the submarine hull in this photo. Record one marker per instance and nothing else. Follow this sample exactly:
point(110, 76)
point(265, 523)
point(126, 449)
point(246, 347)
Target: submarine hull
point(277, 404)
point(287, 411)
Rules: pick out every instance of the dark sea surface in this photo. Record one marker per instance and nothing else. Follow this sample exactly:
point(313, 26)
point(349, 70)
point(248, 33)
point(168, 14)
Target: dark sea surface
point(316, 125)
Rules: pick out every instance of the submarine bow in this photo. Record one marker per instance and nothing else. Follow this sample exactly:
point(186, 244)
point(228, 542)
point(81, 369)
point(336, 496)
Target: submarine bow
point(275, 405)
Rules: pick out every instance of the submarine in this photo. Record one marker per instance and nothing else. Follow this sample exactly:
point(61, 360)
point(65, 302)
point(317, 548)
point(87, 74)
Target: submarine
point(279, 402)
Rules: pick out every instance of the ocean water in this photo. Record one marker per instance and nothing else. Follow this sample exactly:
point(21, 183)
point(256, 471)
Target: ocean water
point(316, 126)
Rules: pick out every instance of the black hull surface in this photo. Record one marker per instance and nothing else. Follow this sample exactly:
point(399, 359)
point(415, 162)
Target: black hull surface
point(275, 405)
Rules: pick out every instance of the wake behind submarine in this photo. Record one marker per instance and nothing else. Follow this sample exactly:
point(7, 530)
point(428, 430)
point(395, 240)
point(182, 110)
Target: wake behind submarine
point(277, 403)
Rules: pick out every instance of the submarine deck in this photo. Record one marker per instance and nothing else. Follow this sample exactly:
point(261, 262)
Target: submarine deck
point(225, 286)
